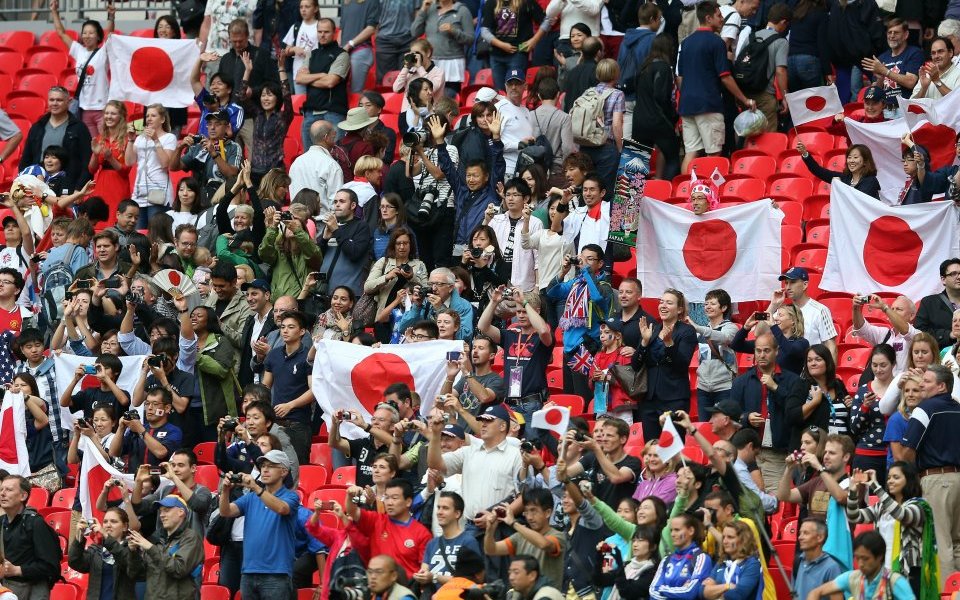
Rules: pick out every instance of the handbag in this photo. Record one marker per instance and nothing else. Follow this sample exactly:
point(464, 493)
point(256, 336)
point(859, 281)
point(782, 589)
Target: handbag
point(48, 478)
point(631, 381)
point(365, 309)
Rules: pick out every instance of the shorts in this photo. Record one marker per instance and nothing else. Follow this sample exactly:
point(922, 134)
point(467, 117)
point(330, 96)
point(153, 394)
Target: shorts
point(703, 132)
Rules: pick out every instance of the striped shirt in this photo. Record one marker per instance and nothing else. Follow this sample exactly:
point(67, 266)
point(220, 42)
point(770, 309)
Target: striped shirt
point(46, 378)
point(883, 514)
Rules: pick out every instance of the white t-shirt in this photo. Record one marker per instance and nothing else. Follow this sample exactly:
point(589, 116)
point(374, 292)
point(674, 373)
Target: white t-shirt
point(184, 218)
point(150, 175)
point(818, 324)
point(95, 92)
point(306, 39)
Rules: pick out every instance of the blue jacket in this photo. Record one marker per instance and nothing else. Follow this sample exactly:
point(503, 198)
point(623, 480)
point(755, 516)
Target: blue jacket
point(746, 576)
point(600, 302)
point(680, 575)
point(471, 205)
point(420, 313)
point(668, 375)
point(792, 354)
point(633, 51)
point(746, 392)
point(938, 182)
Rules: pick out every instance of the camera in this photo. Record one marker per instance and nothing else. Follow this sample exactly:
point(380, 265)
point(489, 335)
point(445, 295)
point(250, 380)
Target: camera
point(411, 426)
point(675, 416)
point(197, 138)
point(84, 284)
point(797, 455)
point(90, 369)
point(319, 276)
point(500, 511)
point(494, 589)
point(82, 422)
point(573, 261)
point(156, 360)
point(286, 215)
point(406, 269)
point(476, 252)
point(134, 298)
point(563, 208)
point(349, 582)
point(605, 548)
point(579, 436)
point(358, 499)
point(454, 356)
point(111, 283)
point(131, 415)
point(761, 316)
point(36, 258)
point(530, 446)
point(412, 139)
point(428, 200)
point(410, 59)
point(230, 424)
point(154, 471)
point(343, 415)
point(235, 478)
point(508, 293)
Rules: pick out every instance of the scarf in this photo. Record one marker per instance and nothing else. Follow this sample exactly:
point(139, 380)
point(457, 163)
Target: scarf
point(929, 564)
point(632, 570)
point(839, 546)
point(576, 310)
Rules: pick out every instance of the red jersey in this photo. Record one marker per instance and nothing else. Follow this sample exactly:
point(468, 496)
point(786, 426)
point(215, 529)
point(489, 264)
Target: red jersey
point(405, 542)
point(10, 320)
point(604, 360)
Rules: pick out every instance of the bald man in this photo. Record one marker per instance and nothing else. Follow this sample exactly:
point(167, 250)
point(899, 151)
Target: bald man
point(900, 313)
point(316, 168)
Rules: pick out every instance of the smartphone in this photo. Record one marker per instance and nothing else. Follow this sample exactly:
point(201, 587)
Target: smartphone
point(327, 505)
point(154, 471)
point(454, 356)
point(90, 369)
point(761, 316)
point(36, 258)
point(111, 283)
point(84, 284)
point(82, 422)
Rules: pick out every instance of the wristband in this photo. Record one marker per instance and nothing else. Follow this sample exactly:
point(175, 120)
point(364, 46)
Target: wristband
point(260, 493)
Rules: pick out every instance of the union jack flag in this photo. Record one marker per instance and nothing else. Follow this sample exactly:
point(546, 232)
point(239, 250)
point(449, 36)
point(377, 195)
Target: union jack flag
point(581, 361)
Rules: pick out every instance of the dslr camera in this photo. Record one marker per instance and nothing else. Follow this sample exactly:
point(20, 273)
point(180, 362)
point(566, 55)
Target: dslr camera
point(573, 261)
point(134, 298)
point(349, 582)
point(494, 589)
point(157, 360)
point(406, 269)
point(410, 59)
point(235, 478)
point(230, 424)
point(530, 446)
point(131, 415)
point(412, 139)
point(428, 197)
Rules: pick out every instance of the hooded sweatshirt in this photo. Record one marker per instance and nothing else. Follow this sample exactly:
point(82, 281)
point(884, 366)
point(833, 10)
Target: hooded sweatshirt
point(633, 51)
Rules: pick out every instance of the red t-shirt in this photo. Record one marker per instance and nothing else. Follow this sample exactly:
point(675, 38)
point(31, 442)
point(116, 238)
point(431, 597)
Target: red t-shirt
point(405, 542)
point(10, 320)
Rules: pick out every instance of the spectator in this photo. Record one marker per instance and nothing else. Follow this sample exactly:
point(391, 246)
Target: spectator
point(337, 322)
point(293, 254)
point(398, 268)
point(633, 53)
point(787, 329)
point(658, 478)
point(900, 312)
point(478, 386)
point(180, 471)
point(583, 75)
point(98, 549)
point(11, 136)
point(654, 118)
point(345, 242)
point(373, 103)
point(916, 160)
point(867, 423)
point(149, 443)
point(362, 451)
point(518, 265)
point(108, 368)
point(32, 552)
point(509, 29)
point(59, 127)
point(911, 397)
point(612, 471)
point(859, 170)
point(580, 16)
point(419, 64)
point(825, 494)
point(301, 39)
point(939, 76)
point(270, 512)
point(526, 582)
point(435, 189)
point(325, 76)
point(441, 559)
point(551, 122)
point(717, 361)
point(935, 312)
point(747, 443)
point(606, 157)
point(256, 328)
point(552, 247)
point(589, 221)
point(704, 68)
point(107, 159)
point(185, 411)
point(228, 303)
point(16, 317)
point(816, 567)
point(215, 158)
point(358, 24)
point(740, 574)
point(852, 35)
point(287, 373)
point(474, 134)
point(91, 66)
point(175, 564)
point(681, 573)
point(316, 169)
point(128, 218)
point(247, 68)
point(896, 69)
point(778, 21)
point(869, 550)
point(218, 98)
point(736, 31)
point(441, 294)
point(923, 352)
point(808, 59)
point(384, 576)
point(393, 214)
point(271, 107)
point(927, 441)
point(826, 402)
point(818, 325)
point(943, 180)
point(214, 36)
point(536, 537)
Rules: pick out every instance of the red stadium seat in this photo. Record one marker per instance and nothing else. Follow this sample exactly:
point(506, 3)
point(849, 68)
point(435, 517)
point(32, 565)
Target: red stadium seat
point(555, 380)
point(791, 165)
point(811, 259)
point(817, 142)
point(214, 592)
point(571, 401)
point(795, 188)
point(759, 167)
point(682, 185)
point(59, 521)
point(49, 62)
point(208, 475)
point(64, 591)
point(64, 498)
point(705, 166)
point(391, 121)
point(52, 38)
point(28, 106)
point(204, 452)
point(344, 476)
point(792, 211)
point(813, 286)
point(748, 189)
point(835, 160)
point(21, 41)
point(770, 143)
point(70, 81)
point(813, 206)
point(658, 189)
point(819, 235)
point(321, 454)
point(10, 61)
point(394, 102)
point(952, 584)
point(39, 497)
point(788, 530)
point(211, 575)
point(484, 77)
point(855, 357)
point(312, 477)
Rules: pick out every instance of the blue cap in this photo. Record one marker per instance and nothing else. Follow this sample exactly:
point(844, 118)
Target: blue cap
point(259, 284)
point(795, 273)
point(496, 411)
point(454, 431)
point(614, 324)
point(171, 501)
point(515, 74)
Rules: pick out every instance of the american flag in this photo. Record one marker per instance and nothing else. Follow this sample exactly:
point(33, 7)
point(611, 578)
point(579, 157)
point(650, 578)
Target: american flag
point(7, 360)
point(581, 361)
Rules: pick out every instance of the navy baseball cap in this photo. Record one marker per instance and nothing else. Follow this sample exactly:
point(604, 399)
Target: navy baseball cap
point(454, 431)
point(219, 115)
point(259, 284)
point(515, 74)
point(172, 501)
point(614, 324)
point(795, 273)
point(874, 93)
point(497, 411)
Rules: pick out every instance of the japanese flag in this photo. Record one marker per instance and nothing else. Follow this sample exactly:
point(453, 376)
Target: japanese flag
point(151, 70)
point(13, 435)
point(874, 247)
point(353, 377)
point(553, 418)
point(669, 444)
point(814, 103)
point(65, 365)
point(735, 248)
point(942, 111)
point(95, 471)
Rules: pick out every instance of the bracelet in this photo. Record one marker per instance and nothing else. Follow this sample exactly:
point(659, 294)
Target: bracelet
point(262, 490)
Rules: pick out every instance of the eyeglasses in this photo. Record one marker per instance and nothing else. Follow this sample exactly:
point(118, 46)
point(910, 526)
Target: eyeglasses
point(419, 336)
point(7, 282)
point(952, 274)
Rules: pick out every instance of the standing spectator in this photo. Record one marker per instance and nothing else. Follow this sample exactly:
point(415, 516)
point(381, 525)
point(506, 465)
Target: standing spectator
point(244, 80)
point(91, 66)
point(718, 363)
point(167, 28)
point(606, 157)
point(301, 39)
point(219, 97)
point(449, 30)
point(345, 243)
point(59, 127)
point(808, 58)
point(271, 109)
point(554, 124)
point(735, 17)
point(825, 494)
point(151, 442)
point(316, 168)
point(825, 402)
point(508, 27)
point(929, 441)
point(180, 470)
point(854, 30)
point(818, 327)
point(654, 113)
point(778, 21)
point(588, 224)
point(816, 567)
point(31, 558)
point(441, 294)
point(747, 443)
point(897, 69)
point(935, 313)
point(214, 34)
point(613, 472)
point(287, 374)
point(214, 159)
point(573, 13)
point(633, 53)
point(173, 566)
point(681, 573)
point(103, 554)
point(867, 423)
point(940, 76)
point(518, 265)
point(270, 513)
point(859, 169)
point(478, 386)
point(373, 102)
point(11, 136)
point(704, 71)
point(325, 76)
point(583, 75)
point(108, 157)
point(394, 34)
point(289, 249)
point(228, 303)
point(358, 23)
point(362, 451)
point(418, 63)
point(441, 557)
point(256, 328)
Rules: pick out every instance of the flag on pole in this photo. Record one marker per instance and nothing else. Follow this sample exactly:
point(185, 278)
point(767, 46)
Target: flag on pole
point(814, 103)
point(874, 247)
point(670, 444)
point(13, 435)
point(942, 111)
point(151, 70)
point(553, 418)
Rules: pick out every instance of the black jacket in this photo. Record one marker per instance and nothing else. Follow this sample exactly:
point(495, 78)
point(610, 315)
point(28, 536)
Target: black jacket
point(31, 544)
point(580, 79)
point(746, 391)
point(89, 559)
point(654, 111)
point(820, 415)
point(264, 69)
point(935, 316)
point(246, 350)
point(668, 369)
point(76, 143)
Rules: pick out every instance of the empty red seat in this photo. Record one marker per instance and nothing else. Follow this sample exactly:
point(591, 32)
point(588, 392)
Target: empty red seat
point(312, 478)
point(855, 357)
point(817, 142)
point(819, 235)
point(748, 189)
point(792, 211)
point(795, 188)
point(394, 102)
point(658, 188)
point(29, 106)
point(10, 61)
point(705, 165)
point(38, 83)
point(812, 259)
point(21, 41)
point(344, 476)
point(770, 143)
point(50, 62)
point(484, 77)
point(790, 236)
point(571, 401)
point(759, 167)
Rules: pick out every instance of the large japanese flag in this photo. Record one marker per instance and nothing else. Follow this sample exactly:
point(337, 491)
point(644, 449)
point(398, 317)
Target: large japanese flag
point(814, 103)
point(883, 139)
point(95, 470)
point(735, 248)
point(874, 247)
point(66, 364)
point(942, 111)
point(13, 435)
point(151, 70)
point(353, 377)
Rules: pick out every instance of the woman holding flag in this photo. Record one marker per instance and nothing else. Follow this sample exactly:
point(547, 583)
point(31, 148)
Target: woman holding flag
point(859, 171)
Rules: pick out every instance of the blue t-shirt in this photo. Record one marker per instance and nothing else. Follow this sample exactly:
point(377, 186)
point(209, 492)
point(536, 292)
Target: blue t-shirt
point(901, 588)
point(702, 62)
point(908, 61)
point(271, 537)
point(440, 547)
point(133, 445)
point(106, 581)
point(896, 427)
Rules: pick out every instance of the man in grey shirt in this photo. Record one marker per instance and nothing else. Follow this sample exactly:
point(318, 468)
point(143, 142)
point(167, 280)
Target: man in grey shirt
point(394, 36)
point(358, 23)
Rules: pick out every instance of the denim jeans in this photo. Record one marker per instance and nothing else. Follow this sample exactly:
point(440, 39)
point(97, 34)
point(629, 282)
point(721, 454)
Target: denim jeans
point(803, 71)
point(361, 61)
point(265, 586)
point(849, 82)
point(707, 400)
point(309, 118)
point(501, 63)
point(148, 211)
point(231, 561)
point(606, 159)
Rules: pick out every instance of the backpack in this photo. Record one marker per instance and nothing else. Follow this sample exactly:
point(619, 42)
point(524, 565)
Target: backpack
point(586, 118)
point(750, 68)
point(540, 152)
point(57, 280)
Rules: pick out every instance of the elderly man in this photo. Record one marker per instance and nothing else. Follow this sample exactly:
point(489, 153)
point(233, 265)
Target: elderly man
point(900, 313)
point(939, 76)
point(172, 567)
point(316, 169)
point(31, 560)
point(383, 576)
point(441, 294)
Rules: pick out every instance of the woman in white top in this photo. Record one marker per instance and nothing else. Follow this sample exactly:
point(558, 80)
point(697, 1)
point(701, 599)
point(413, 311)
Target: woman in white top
point(187, 205)
point(301, 39)
point(153, 150)
point(90, 58)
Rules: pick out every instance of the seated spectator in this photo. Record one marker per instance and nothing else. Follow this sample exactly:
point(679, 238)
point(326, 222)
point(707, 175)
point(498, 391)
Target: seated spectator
point(337, 322)
point(658, 477)
point(392, 214)
point(747, 443)
point(935, 313)
point(554, 124)
point(739, 576)
point(815, 567)
point(682, 572)
point(384, 575)
point(859, 170)
point(869, 576)
point(150, 443)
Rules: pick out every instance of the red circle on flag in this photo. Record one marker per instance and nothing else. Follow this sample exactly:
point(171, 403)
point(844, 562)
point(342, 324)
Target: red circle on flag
point(815, 103)
point(90, 70)
point(371, 376)
point(666, 439)
point(553, 416)
point(891, 251)
point(916, 109)
point(151, 69)
point(174, 278)
point(710, 249)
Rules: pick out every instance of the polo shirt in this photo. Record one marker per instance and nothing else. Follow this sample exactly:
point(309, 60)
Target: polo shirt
point(611, 493)
point(405, 541)
point(932, 431)
point(271, 537)
point(901, 587)
point(701, 63)
point(291, 378)
point(135, 448)
point(489, 475)
point(817, 322)
point(812, 574)
point(88, 399)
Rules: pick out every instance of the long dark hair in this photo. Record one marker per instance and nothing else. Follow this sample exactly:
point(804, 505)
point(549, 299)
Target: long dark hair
point(805, 6)
point(911, 488)
point(415, 87)
point(662, 48)
point(497, 255)
point(169, 21)
point(400, 230)
point(869, 165)
point(30, 381)
point(213, 321)
point(830, 374)
point(194, 186)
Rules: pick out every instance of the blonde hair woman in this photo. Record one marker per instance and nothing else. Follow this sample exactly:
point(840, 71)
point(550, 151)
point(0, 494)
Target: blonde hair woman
point(108, 157)
point(740, 570)
point(787, 327)
point(923, 353)
point(367, 175)
point(153, 150)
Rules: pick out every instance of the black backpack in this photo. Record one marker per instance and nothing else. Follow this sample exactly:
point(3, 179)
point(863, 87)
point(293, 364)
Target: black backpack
point(750, 68)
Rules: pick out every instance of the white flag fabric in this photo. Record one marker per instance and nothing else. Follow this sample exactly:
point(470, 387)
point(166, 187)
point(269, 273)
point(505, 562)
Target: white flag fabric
point(353, 377)
point(66, 364)
point(13, 435)
point(735, 248)
point(942, 111)
point(552, 418)
point(876, 248)
point(95, 471)
point(814, 103)
point(151, 70)
point(669, 444)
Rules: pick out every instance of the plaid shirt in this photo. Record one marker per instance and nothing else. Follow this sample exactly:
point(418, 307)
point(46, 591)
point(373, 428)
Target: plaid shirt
point(45, 375)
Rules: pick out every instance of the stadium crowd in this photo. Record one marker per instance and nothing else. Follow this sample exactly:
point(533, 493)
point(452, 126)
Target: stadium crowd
point(299, 200)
